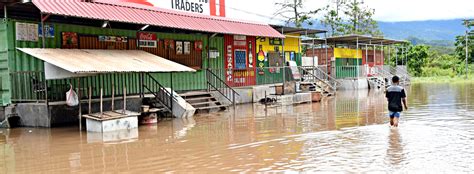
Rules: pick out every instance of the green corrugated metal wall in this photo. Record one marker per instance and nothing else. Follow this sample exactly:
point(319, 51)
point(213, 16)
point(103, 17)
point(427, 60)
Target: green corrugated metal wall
point(19, 61)
point(4, 54)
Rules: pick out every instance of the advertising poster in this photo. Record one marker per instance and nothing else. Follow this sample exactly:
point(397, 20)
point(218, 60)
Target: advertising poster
point(179, 47)
point(69, 40)
point(187, 48)
point(26, 32)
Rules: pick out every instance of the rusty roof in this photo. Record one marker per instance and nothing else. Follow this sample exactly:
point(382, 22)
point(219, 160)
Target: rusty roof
point(105, 61)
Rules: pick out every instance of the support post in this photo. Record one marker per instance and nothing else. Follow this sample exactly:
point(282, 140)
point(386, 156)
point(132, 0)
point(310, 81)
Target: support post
point(171, 92)
point(284, 60)
point(327, 64)
point(43, 41)
point(124, 99)
point(357, 59)
point(396, 58)
point(79, 93)
point(366, 54)
point(113, 97)
point(403, 56)
point(90, 100)
point(101, 101)
point(375, 55)
point(142, 86)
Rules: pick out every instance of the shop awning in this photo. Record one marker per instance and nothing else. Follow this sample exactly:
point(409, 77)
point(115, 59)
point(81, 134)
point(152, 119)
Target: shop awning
point(139, 14)
point(84, 61)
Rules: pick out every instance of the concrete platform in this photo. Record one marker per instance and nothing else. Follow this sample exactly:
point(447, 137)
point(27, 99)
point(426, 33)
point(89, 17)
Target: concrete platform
point(299, 98)
point(126, 121)
point(354, 84)
point(127, 135)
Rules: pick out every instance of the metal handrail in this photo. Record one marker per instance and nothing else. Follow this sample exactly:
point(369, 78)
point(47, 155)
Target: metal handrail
point(323, 73)
point(333, 87)
point(159, 91)
point(215, 82)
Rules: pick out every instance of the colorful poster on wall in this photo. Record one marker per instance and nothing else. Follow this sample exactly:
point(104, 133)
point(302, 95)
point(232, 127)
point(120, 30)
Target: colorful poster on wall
point(240, 59)
point(69, 40)
point(198, 45)
point(230, 65)
point(187, 48)
point(179, 47)
point(48, 30)
point(26, 32)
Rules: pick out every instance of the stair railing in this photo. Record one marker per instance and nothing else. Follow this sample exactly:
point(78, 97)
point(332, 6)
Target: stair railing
point(316, 73)
point(159, 91)
point(216, 83)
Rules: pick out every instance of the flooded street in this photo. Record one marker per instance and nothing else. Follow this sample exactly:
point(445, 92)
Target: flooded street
point(348, 132)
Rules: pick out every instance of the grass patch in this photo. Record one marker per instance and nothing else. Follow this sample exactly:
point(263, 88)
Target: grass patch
point(443, 79)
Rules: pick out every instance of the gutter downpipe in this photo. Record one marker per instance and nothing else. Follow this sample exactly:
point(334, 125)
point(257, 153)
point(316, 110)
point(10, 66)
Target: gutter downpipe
point(5, 12)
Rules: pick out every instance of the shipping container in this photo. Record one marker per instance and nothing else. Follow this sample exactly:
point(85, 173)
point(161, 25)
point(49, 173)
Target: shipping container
point(19, 62)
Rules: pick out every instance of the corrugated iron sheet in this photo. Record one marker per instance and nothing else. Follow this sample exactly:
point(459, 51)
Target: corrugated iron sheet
point(126, 12)
point(105, 61)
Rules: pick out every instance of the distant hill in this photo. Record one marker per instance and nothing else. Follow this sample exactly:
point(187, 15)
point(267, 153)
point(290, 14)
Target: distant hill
point(433, 30)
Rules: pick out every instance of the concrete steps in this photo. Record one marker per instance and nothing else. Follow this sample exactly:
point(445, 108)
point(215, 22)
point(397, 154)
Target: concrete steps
point(203, 101)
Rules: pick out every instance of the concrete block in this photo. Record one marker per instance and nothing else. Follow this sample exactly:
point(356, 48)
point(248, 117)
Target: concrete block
point(124, 123)
point(126, 135)
point(181, 108)
point(259, 92)
point(302, 98)
point(285, 99)
point(354, 84)
point(245, 95)
point(33, 114)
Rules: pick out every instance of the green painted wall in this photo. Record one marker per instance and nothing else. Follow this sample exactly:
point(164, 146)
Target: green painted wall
point(19, 61)
point(5, 45)
point(273, 77)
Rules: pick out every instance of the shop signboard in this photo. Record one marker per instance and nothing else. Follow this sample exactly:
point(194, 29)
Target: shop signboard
point(147, 40)
point(205, 7)
point(48, 30)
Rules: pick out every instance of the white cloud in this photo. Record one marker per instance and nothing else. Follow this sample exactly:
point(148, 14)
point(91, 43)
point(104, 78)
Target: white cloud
point(385, 10)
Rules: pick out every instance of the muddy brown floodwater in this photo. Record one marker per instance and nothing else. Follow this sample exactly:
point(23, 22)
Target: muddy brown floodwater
point(347, 133)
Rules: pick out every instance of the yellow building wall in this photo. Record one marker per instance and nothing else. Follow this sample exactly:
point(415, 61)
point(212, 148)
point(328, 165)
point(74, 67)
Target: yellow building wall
point(347, 53)
point(291, 44)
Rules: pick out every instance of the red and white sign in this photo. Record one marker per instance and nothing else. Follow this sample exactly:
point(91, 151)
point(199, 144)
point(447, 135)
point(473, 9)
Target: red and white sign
point(207, 7)
point(147, 36)
point(147, 40)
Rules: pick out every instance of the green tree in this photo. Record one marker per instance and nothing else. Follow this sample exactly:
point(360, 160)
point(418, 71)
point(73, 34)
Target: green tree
point(332, 17)
point(294, 13)
point(417, 57)
point(460, 50)
point(360, 19)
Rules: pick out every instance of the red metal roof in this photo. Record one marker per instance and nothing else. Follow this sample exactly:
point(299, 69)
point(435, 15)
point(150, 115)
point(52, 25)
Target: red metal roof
point(141, 14)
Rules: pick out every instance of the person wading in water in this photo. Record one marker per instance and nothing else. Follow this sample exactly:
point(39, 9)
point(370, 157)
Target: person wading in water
point(396, 96)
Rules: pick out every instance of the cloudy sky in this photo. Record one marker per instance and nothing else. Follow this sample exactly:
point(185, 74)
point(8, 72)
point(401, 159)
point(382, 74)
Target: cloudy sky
point(385, 10)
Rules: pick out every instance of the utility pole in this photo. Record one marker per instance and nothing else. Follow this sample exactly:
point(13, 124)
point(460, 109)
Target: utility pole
point(467, 51)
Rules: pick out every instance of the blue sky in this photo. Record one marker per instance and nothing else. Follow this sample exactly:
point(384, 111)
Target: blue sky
point(386, 10)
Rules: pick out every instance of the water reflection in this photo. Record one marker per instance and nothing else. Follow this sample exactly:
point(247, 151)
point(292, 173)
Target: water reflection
point(395, 148)
point(346, 133)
